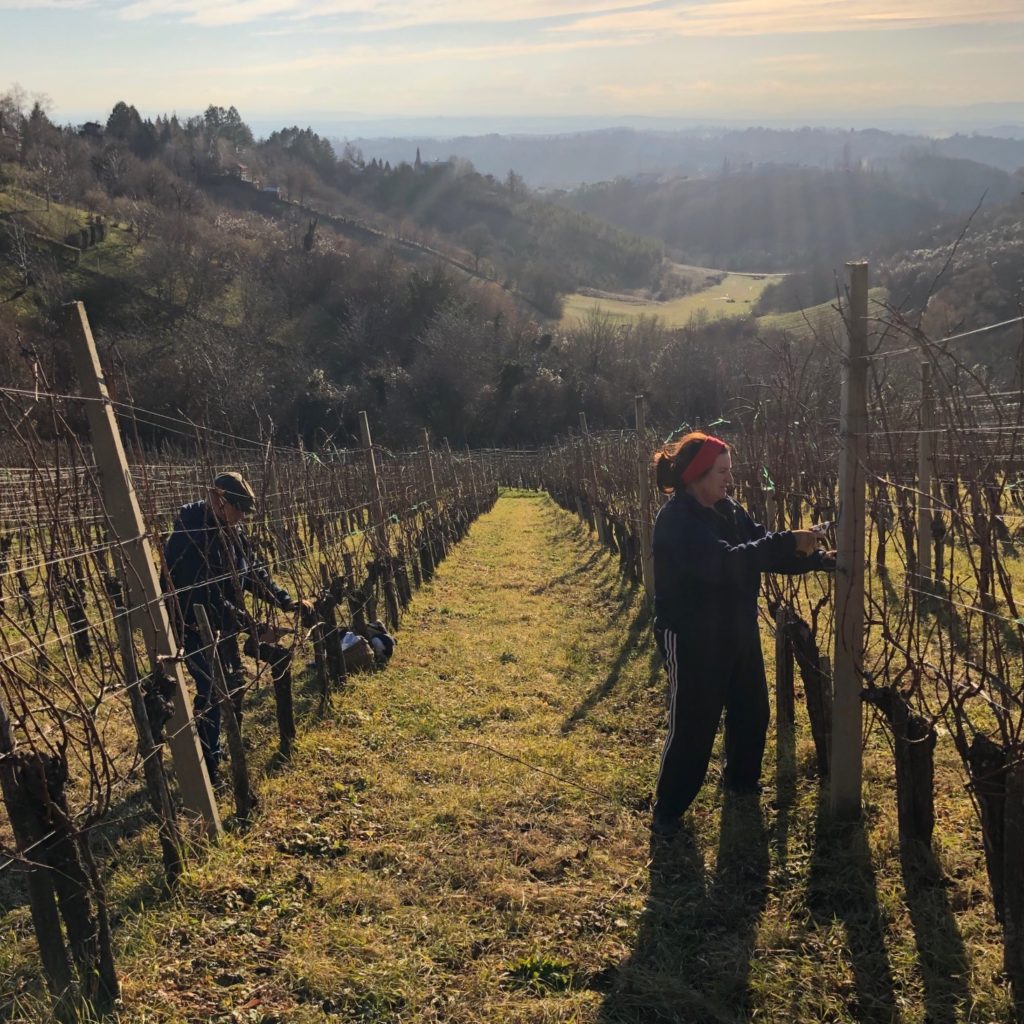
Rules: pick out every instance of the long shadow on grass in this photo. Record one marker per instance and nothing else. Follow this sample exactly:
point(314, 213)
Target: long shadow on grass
point(940, 947)
point(842, 888)
point(571, 575)
point(691, 963)
point(132, 812)
point(892, 596)
point(123, 821)
point(639, 625)
point(785, 789)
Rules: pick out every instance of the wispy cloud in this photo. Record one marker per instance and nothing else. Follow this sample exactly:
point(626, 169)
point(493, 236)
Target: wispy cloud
point(993, 49)
point(665, 56)
point(379, 15)
point(200, 12)
point(391, 13)
point(358, 56)
point(800, 63)
point(636, 93)
point(43, 5)
point(770, 17)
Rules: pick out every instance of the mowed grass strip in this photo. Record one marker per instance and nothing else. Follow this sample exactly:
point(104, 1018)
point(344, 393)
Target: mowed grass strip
point(408, 865)
point(465, 840)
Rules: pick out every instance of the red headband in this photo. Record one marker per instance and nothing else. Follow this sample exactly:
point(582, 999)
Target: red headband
point(704, 459)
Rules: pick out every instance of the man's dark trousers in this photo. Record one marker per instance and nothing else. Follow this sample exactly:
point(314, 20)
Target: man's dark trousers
point(205, 707)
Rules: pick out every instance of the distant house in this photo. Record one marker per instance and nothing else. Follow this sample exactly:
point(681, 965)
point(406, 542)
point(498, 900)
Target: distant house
point(274, 190)
point(242, 172)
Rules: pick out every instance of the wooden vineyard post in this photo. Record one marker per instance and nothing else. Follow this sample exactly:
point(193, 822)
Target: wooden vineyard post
point(770, 505)
point(129, 528)
point(644, 478)
point(924, 478)
point(472, 475)
point(433, 476)
point(320, 663)
point(819, 711)
point(275, 506)
point(595, 492)
point(357, 598)
point(219, 691)
point(785, 700)
point(379, 531)
point(576, 476)
point(329, 634)
point(151, 754)
point(453, 471)
point(42, 898)
point(1013, 881)
point(848, 650)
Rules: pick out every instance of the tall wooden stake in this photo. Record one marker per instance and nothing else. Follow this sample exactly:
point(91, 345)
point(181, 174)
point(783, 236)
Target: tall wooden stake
point(275, 506)
point(644, 478)
point(430, 466)
point(150, 612)
point(42, 899)
point(785, 701)
point(244, 799)
point(848, 651)
point(151, 754)
point(576, 476)
point(924, 477)
point(379, 531)
point(770, 504)
point(595, 493)
point(433, 487)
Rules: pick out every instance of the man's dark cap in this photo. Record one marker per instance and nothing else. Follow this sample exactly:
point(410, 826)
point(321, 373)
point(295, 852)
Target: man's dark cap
point(236, 491)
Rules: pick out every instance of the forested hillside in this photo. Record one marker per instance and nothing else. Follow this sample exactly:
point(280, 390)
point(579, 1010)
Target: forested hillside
point(784, 217)
point(273, 279)
point(964, 271)
point(567, 159)
point(274, 284)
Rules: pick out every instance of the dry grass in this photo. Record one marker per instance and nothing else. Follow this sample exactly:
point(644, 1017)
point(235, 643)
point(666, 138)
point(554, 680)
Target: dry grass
point(52, 219)
point(822, 321)
point(465, 840)
point(735, 296)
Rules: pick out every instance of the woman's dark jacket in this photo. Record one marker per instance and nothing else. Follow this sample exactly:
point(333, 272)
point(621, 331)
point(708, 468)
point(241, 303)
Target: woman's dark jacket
point(212, 564)
point(708, 564)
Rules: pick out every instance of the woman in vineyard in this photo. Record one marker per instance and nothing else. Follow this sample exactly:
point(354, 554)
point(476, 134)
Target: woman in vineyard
point(708, 559)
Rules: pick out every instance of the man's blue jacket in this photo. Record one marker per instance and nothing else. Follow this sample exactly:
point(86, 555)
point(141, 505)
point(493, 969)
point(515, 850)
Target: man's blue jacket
point(213, 564)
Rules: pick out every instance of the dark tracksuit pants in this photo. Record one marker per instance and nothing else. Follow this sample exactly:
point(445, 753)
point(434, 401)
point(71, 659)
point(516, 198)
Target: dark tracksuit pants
point(205, 707)
point(703, 682)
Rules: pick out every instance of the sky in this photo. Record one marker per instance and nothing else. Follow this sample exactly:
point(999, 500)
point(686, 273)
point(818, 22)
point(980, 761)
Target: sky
point(306, 59)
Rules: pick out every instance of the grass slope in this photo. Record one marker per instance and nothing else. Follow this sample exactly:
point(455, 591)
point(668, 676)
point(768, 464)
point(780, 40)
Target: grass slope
point(426, 857)
point(109, 261)
point(822, 320)
point(732, 297)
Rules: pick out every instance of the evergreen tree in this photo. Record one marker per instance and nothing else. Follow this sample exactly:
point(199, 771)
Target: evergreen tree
point(124, 121)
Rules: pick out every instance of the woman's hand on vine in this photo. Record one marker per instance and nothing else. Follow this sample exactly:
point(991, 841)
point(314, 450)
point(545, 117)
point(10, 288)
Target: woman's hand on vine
point(807, 542)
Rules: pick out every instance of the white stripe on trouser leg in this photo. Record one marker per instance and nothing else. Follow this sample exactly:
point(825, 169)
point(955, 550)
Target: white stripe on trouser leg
point(672, 664)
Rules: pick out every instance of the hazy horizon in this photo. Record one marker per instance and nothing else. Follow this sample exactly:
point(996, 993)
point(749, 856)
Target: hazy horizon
point(726, 61)
point(1007, 118)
